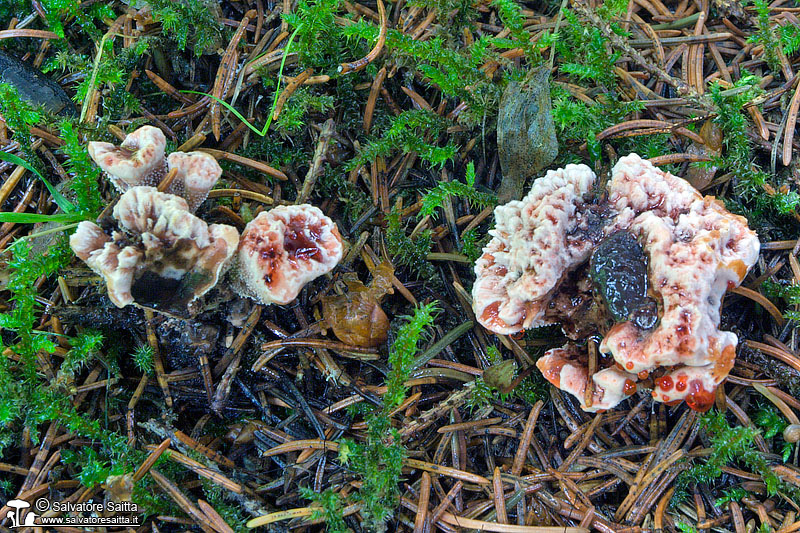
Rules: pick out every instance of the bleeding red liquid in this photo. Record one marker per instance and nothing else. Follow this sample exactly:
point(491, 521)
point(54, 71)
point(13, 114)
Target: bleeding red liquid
point(298, 245)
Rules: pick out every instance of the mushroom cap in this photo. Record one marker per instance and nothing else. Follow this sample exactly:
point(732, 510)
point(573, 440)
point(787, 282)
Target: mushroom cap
point(138, 161)
point(145, 210)
point(563, 368)
point(283, 249)
point(535, 241)
point(164, 255)
point(696, 250)
point(198, 172)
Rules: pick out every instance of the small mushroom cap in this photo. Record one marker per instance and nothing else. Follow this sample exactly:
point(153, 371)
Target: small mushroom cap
point(138, 161)
point(88, 238)
point(198, 172)
point(116, 265)
point(283, 249)
point(563, 368)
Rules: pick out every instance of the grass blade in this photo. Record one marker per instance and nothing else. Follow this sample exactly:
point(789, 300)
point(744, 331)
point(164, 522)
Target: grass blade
point(33, 218)
point(238, 115)
point(62, 202)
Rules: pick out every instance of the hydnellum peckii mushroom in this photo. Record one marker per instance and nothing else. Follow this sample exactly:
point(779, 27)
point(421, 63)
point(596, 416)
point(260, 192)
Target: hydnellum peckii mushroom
point(283, 249)
point(157, 253)
point(535, 270)
point(160, 254)
point(140, 160)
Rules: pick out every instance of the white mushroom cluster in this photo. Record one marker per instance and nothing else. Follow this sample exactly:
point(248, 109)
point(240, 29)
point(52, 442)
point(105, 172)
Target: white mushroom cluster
point(695, 249)
point(140, 160)
point(156, 252)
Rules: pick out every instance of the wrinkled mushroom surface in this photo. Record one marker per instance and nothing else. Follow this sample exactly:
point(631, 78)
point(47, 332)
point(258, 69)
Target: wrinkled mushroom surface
point(283, 249)
point(139, 160)
point(695, 251)
point(536, 240)
point(161, 255)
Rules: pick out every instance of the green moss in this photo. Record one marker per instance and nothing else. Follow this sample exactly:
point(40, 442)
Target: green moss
point(19, 116)
point(765, 36)
point(789, 36)
point(455, 14)
point(409, 132)
point(79, 14)
point(407, 251)
point(111, 75)
point(434, 199)
point(333, 183)
point(772, 423)
point(510, 13)
point(189, 22)
point(143, 358)
point(751, 181)
point(402, 353)
point(447, 64)
point(303, 102)
point(330, 509)
point(729, 446)
point(379, 460)
point(584, 51)
point(85, 174)
point(13, 8)
point(321, 42)
point(577, 122)
point(472, 245)
point(224, 503)
point(786, 291)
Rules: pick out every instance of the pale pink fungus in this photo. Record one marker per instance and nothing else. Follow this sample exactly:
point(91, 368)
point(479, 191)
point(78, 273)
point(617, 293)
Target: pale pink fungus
point(138, 161)
point(197, 174)
point(696, 250)
point(536, 240)
point(566, 368)
point(160, 255)
point(283, 249)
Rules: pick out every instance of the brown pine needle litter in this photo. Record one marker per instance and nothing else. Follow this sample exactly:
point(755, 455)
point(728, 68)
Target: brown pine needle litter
point(231, 415)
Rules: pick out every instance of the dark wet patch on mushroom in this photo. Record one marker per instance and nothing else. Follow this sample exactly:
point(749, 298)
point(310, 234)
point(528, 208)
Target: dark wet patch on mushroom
point(618, 268)
point(169, 294)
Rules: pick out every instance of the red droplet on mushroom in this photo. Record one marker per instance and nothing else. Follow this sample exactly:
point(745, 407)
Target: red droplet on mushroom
point(629, 387)
point(699, 398)
point(665, 382)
